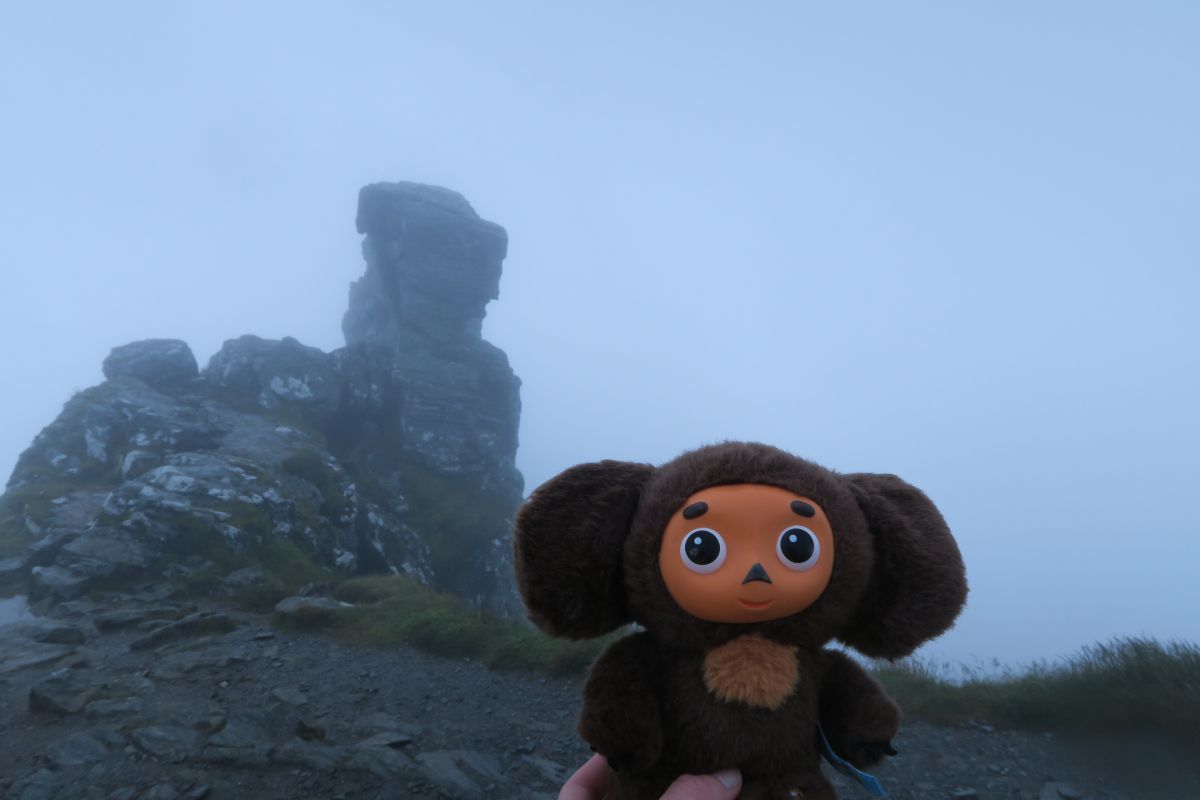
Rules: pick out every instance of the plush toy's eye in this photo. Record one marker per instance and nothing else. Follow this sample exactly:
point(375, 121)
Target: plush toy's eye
point(703, 550)
point(798, 548)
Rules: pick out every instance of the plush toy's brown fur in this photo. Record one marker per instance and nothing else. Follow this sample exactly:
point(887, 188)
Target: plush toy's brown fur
point(752, 670)
point(667, 700)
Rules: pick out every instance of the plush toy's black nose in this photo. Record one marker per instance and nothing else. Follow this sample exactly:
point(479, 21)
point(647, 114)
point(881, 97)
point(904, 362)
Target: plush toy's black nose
point(757, 573)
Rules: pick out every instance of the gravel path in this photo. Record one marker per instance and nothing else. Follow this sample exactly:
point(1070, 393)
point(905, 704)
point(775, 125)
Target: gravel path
point(142, 699)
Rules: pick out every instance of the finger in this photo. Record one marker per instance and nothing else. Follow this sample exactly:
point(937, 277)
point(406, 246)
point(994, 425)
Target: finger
point(724, 785)
point(590, 782)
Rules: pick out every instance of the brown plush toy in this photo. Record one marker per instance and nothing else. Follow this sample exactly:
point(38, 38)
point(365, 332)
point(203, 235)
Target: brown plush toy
point(741, 562)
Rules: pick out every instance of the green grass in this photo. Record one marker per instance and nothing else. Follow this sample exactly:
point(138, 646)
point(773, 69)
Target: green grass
point(286, 564)
point(13, 539)
point(34, 499)
point(1126, 685)
point(288, 568)
point(455, 518)
point(293, 418)
point(392, 610)
point(309, 466)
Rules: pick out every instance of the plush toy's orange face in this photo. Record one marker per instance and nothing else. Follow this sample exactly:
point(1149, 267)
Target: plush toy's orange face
point(746, 553)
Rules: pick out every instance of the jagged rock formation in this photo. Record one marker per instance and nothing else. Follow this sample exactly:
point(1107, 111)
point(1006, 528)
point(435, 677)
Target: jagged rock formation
point(394, 454)
point(413, 331)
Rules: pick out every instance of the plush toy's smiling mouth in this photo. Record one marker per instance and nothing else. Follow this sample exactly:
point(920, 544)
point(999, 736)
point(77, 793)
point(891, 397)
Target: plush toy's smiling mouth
point(753, 606)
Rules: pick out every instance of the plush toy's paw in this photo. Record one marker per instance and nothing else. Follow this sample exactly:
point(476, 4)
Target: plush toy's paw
point(630, 744)
point(625, 761)
point(866, 754)
point(865, 737)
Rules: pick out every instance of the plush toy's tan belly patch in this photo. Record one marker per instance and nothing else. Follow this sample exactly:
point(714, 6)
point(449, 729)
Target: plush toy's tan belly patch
point(753, 670)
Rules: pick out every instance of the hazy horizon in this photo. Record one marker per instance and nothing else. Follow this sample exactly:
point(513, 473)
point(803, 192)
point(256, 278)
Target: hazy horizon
point(949, 242)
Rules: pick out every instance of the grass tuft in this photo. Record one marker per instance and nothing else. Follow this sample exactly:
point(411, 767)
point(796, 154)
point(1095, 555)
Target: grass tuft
point(286, 563)
point(392, 610)
point(1126, 685)
point(455, 518)
point(288, 568)
point(309, 466)
point(13, 538)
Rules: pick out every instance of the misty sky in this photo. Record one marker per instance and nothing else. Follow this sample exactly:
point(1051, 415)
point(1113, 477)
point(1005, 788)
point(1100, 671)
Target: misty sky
point(950, 241)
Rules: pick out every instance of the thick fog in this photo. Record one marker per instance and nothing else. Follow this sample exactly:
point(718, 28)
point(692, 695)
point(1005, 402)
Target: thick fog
point(952, 242)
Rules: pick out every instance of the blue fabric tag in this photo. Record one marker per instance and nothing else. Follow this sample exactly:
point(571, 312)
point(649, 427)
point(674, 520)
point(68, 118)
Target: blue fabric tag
point(869, 782)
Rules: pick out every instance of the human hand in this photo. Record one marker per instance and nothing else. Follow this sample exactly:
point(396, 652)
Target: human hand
point(590, 782)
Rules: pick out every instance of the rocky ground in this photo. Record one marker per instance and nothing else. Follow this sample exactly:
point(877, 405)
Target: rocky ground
point(136, 697)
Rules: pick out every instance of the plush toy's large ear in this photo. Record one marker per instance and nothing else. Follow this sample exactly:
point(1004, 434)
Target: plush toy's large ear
point(918, 584)
point(567, 547)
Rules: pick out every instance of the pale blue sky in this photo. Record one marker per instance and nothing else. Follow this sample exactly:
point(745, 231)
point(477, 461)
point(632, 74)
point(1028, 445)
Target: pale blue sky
point(953, 241)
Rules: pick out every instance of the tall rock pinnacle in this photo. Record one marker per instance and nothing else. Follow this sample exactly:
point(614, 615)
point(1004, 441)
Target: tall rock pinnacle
point(432, 267)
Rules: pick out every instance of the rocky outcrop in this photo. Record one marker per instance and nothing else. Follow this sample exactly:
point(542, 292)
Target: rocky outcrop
point(394, 454)
point(432, 267)
point(415, 322)
point(158, 362)
point(263, 375)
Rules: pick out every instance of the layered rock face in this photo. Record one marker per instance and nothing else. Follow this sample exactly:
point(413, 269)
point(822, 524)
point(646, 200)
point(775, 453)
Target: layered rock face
point(393, 454)
point(415, 321)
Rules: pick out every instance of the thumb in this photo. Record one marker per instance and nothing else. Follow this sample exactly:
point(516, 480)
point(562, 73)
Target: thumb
point(723, 785)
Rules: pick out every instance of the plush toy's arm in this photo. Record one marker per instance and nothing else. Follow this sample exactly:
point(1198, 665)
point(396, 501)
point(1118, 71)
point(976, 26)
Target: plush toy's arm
point(621, 718)
point(858, 717)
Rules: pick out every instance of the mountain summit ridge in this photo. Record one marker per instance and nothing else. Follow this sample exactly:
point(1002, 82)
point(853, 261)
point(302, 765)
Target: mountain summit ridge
point(393, 454)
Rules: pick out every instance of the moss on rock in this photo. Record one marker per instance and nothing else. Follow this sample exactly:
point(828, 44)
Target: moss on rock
point(309, 466)
point(457, 520)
